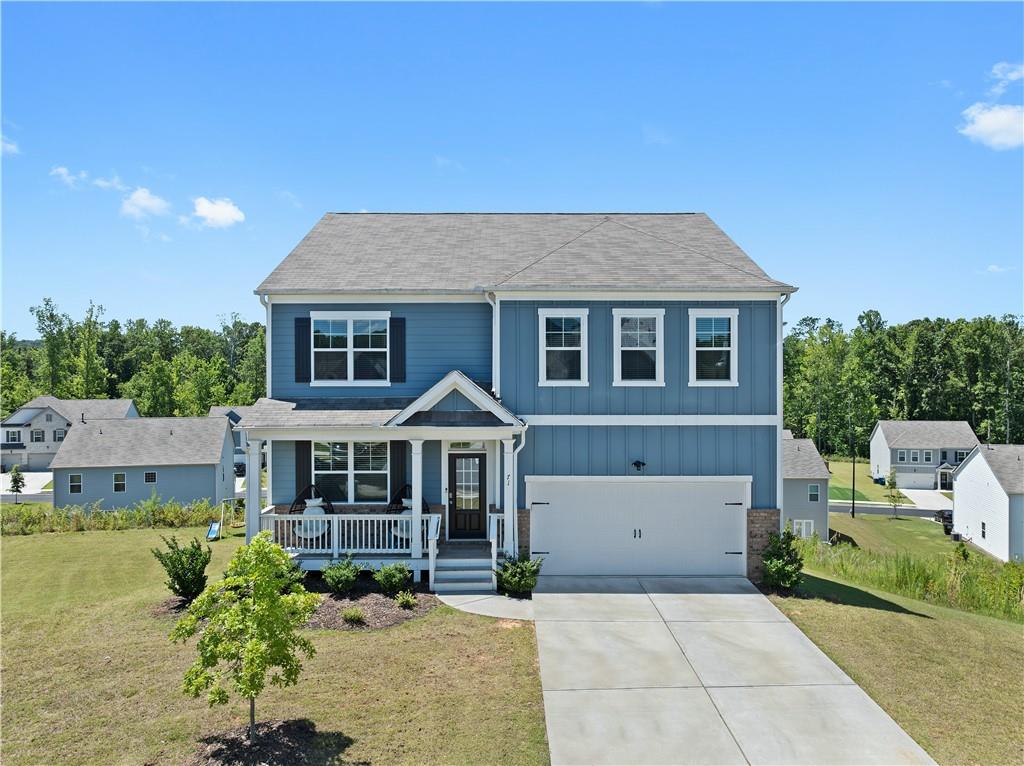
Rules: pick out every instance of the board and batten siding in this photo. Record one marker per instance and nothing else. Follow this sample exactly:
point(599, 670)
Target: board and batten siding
point(756, 393)
point(666, 450)
point(439, 338)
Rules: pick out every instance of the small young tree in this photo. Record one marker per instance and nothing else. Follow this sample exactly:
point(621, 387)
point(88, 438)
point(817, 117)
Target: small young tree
point(17, 481)
point(891, 492)
point(248, 626)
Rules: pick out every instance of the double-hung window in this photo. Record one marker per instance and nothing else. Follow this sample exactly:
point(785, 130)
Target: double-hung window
point(38, 435)
point(75, 483)
point(813, 493)
point(803, 527)
point(713, 347)
point(927, 456)
point(351, 472)
point(350, 348)
point(901, 456)
point(961, 455)
point(563, 347)
point(915, 456)
point(120, 482)
point(12, 437)
point(639, 339)
point(59, 434)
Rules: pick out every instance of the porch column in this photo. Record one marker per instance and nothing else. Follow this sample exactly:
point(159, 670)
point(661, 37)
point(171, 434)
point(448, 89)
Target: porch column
point(509, 502)
point(417, 498)
point(252, 488)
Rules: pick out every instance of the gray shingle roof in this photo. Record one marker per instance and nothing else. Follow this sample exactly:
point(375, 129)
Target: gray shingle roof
point(143, 442)
point(800, 460)
point(301, 413)
point(466, 252)
point(933, 434)
point(1007, 463)
point(73, 410)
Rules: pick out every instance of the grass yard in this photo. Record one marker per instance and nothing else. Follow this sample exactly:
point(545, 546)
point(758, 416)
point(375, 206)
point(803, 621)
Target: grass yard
point(90, 677)
point(840, 486)
point(949, 495)
point(263, 480)
point(884, 534)
point(48, 485)
point(952, 679)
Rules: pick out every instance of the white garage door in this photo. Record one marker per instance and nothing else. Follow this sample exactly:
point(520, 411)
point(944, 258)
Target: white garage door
point(650, 526)
point(915, 480)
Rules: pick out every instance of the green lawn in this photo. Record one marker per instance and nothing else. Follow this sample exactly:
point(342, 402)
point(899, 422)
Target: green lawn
point(840, 486)
point(48, 485)
point(89, 676)
point(884, 534)
point(952, 679)
point(263, 480)
point(947, 494)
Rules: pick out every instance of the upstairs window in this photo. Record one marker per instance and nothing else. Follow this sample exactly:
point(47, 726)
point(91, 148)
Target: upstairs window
point(59, 434)
point(713, 347)
point(813, 493)
point(927, 456)
point(12, 437)
point(639, 337)
point(901, 456)
point(915, 456)
point(961, 455)
point(563, 347)
point(38, 435)
point(350, 348)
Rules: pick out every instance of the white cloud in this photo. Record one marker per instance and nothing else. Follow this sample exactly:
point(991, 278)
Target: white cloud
point(7, 146)
point(217, 213)
point(447, 163)
point(1004, 73)
point(291, 198)
point(656, 136)
point(114, 183)
point(69, 179)
point(142, 203)
point(997, 126)
point(995, 268)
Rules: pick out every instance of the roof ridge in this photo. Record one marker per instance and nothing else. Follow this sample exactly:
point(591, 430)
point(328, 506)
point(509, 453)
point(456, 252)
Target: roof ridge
point(505, 212)
point(550, 252)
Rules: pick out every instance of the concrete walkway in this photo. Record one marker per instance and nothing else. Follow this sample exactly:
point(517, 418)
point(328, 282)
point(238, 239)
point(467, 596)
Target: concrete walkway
point(928, 499)
point(489, 605)
point(695, 670)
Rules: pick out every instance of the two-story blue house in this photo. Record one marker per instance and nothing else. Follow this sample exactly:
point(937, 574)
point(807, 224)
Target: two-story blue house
point(600, 390)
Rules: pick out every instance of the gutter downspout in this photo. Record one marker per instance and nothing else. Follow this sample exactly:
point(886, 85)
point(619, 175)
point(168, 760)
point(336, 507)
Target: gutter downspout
point(515, 493)
point(265, 302)
point(495, 344)
point(783, 300)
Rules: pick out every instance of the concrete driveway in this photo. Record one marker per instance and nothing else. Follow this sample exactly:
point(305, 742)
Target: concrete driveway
point(928, 499)
point(674, 670)
point(34, 482)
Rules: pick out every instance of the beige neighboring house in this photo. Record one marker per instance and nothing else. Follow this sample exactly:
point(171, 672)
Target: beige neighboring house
point(35, 431)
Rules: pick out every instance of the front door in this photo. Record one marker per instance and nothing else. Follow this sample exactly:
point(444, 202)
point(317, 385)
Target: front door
point(466, 496)
point(945, 480)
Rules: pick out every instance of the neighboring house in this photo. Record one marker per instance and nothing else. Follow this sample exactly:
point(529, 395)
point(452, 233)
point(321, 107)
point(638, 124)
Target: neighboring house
point(924, 452)
point(988, 500)
point(118, 463)
point(602, 391)
point(234, 414)
point(35, 431)
point(805, 487)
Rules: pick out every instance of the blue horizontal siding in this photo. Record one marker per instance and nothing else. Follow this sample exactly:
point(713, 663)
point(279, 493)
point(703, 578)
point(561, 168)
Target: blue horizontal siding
point(439, 338)
point(755, 394)
point(184, 483)
point(667, 451)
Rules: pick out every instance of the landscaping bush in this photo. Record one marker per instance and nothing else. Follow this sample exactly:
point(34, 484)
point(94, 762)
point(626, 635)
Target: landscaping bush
point(518, 576)
point(782, 562)
point(185, 567)
point(405, 599)
point(392, 578)
point(33, 518)
point(353, 615)
point(341, 576)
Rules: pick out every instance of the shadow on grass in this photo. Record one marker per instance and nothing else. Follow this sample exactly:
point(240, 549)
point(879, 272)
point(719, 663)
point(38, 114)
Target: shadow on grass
point(839, 593)
point(278, 743)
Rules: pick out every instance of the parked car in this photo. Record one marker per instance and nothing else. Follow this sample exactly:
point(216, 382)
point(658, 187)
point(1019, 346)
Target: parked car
point(945, 518)
point(239, 469)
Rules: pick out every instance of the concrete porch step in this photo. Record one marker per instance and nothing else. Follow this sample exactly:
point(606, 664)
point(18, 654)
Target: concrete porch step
point(463, 563)
point(462, 575)
point(460, 586)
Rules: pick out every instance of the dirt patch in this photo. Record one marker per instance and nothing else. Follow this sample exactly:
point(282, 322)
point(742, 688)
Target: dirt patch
point(379, 611)
point(173, 606)
point(278, 743)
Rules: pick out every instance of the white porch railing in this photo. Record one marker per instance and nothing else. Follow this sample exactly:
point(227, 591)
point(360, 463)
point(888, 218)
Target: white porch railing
point(496, 536)
point(339, 534)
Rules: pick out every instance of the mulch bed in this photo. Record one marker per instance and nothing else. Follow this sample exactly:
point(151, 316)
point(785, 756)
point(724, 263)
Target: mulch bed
point(174, 606)
point(379, 611)
point(278, 743)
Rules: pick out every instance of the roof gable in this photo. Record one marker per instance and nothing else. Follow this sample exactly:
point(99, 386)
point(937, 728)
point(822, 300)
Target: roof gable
point(143, 442)
point(75, 410)
point(468, 398)
point(1005, 461)
point(801, 460)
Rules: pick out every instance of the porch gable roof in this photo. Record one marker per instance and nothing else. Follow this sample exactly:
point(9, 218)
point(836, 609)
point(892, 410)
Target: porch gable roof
point(457, 381)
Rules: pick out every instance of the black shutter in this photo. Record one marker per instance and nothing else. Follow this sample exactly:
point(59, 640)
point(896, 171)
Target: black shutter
point(303, 466)
point(397, 350)
point(396, 466)
point(302, 351)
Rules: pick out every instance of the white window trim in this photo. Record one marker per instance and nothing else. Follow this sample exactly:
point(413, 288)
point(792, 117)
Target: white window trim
point(659, 361)
point(113, 477)
point(72, 483)
point(63, 434)
point(32, 436)
point(350, 351)
point(17, 436)
point(817, 493)
point(915, 456)
point(145, 474)
point(804, 525)
point(350, 472)
point(734, 347)
point(577, 313)
point(901, 456)
point(926, 456)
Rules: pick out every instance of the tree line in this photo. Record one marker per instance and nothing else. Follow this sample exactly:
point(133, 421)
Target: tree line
point(838, 383)
point(167, 370)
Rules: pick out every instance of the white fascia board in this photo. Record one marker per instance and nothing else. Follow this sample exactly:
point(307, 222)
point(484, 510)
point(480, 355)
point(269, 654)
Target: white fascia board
point(389, 297)
point(454, 381)
point(651, 420)
point(690, 479)
point(638, 295)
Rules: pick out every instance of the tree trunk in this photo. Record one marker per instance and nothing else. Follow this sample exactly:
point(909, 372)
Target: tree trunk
point(252, 720)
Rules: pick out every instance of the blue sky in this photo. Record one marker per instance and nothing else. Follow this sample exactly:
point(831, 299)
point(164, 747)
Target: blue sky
point(162, 159)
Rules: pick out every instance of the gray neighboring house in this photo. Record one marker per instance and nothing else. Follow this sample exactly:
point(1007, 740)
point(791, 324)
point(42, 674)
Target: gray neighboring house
point(118, 463)
point(805, 479)
point(924, 452)
point(988, 502)
point(34, 432)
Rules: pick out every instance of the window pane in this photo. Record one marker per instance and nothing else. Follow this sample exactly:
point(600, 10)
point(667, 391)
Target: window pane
point(371, 365)
point(722, 336)
point(321, 456)
point(563, 365)
point(371, 487)
point(629, 324)
point(339, 333)
point(330, 365)
point(339, 456)
point(713, 365)
point(333, 486)
point(322, 333)
point(638, 365)
point(371, 456)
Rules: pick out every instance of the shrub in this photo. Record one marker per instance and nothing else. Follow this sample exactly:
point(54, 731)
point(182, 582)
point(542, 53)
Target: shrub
point(518, 576)
point(392, 578)
point(353, 615)
point(185, 567)
point(341, 576)
point(405, 599)
point(30, 519)
point(782, 561)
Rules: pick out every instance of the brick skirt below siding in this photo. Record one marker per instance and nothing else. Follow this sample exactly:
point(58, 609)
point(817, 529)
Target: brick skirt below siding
point(760, 524)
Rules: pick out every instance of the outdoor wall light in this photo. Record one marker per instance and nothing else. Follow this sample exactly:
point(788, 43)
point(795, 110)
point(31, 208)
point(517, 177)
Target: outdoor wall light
point(639, 465)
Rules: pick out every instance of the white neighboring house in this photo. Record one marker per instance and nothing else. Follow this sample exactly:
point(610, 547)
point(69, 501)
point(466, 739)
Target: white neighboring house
point(805, 479)
point(988, 500)
point(34, 432)
point(924, 452)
